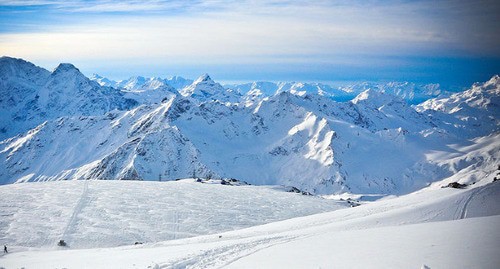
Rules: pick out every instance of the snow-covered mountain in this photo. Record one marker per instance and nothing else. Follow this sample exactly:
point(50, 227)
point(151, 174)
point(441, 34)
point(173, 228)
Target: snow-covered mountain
point(32, 95)
point(145, 90)
point(410, 92)
point(205, 89)
point(474, 112)
point(299, 136)
point(142, 83)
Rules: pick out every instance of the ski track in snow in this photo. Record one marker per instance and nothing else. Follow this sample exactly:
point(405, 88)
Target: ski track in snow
point(225, 255)
point(78, 208)
point(463, 208)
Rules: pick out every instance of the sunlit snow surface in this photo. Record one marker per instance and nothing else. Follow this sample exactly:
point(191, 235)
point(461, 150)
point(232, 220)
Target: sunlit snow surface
point(433, 228)
point(90, 214)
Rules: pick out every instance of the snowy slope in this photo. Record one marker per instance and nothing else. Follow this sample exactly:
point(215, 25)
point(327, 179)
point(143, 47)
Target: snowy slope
point(138, 144)
point(433, 228)
point(171, 141)
point(92, 214)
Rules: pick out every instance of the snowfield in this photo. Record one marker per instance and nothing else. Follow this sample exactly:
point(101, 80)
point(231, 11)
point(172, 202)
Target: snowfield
point(432, 228)
point(90, 214)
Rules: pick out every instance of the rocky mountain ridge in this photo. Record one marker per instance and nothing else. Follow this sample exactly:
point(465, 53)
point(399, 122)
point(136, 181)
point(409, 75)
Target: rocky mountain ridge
point(375, 143)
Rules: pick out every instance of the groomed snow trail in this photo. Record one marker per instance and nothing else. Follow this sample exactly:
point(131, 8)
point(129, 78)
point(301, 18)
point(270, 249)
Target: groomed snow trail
point(78, 208)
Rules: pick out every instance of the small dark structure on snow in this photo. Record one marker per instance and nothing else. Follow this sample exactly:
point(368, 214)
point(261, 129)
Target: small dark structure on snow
point(456, 185)
point(296, 190)
point(61, 243)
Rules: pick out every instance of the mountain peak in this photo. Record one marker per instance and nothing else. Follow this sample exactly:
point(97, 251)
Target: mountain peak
point(494, 80)
point(96, 76)
point(7, 59)
point(367, 94)
point(137, 78)
point(16, 63)
point(14, 67)
point(64, 67)
point(375, 98)
point(203, 78)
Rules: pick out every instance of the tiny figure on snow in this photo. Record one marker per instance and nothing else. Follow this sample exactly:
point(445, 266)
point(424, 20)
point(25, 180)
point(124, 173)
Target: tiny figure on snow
point(5, 249)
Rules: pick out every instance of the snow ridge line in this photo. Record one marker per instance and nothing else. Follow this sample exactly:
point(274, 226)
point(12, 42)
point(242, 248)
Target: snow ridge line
point(78, 208)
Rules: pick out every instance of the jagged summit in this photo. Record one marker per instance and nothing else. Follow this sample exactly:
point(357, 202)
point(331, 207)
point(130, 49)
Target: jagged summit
point(205, 89)
point(474, 111)
point(32, 95)
point(205, 78)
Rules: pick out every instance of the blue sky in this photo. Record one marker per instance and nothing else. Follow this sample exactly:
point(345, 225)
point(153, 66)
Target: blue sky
point(450, 42)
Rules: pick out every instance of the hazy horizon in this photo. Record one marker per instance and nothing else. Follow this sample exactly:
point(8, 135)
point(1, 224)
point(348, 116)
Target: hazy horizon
point(453, 43)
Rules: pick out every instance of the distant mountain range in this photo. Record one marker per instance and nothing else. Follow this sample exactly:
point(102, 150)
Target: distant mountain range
point(366, 138)
point(411, 92)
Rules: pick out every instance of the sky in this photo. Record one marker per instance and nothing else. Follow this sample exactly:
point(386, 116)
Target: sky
point(451, 42)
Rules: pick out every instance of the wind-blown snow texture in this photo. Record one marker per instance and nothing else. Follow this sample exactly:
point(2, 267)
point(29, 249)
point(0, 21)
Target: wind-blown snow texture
point(90, 214)
point(61, 125)
point(432, 228)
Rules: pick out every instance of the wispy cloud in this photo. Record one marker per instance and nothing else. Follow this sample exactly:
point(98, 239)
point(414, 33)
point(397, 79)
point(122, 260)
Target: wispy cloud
point(105, 6)
point(248, 31)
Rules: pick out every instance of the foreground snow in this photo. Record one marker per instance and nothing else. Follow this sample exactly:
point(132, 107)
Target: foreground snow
point(471, 243)
point(437, 228)
point(90, 214)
